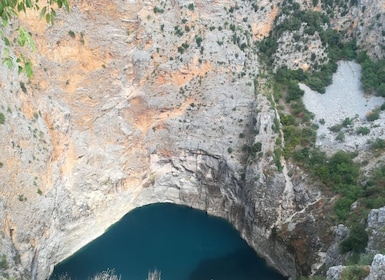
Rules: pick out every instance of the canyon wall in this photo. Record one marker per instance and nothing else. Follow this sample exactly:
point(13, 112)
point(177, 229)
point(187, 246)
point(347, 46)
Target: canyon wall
point(138, 102)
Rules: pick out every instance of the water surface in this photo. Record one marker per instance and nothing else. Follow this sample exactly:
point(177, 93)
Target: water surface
point(182, 243)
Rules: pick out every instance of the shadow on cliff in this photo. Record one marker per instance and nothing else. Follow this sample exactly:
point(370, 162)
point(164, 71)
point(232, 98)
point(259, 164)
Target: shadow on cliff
point(239, 265)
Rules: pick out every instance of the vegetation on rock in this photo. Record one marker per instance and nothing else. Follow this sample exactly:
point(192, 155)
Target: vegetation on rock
point(9, 9)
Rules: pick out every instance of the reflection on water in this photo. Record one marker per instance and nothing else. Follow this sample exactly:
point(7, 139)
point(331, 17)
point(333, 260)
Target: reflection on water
point(241, 264)
point(183, 243)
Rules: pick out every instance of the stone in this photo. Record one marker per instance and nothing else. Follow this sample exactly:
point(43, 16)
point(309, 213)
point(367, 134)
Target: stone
point(375, 229)
point(131, 111)
point(377, 270)
point(334, 272)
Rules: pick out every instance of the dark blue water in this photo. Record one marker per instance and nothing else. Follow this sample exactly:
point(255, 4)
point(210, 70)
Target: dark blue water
point(182, 243)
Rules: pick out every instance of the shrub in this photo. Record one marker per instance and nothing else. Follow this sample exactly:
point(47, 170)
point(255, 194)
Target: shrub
point(382, 108)
point(2, 118)
point(378, 144)
point(277, 159)
point(373, 74)
point(316, 84)
point(342, 169)
point(354, 273)
point(23, 88)
point(347, 122)
point(3, 262)
point(198, 40)
point(342, 208)
point(373, 115)
point(356, 241)
point(340, 137)
point(72, 34)
point(293, 91)
point(336, 128)
point(363, 130)
point(158, 10)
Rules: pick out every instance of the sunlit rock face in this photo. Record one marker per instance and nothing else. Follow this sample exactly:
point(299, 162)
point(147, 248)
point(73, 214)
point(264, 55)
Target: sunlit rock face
point(137, 102)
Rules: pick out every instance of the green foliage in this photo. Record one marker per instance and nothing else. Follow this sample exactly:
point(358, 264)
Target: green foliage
point(336, 48)
point(374, 189)
point(366, 259)
point(178, 31)
point(268, 46)
point(158, 10)
point(198, 40)
point(252, 150)
point(373, 115)
point(72, 34)
point(342, 208)
point(277, 159)
point(354, 273)
point(336, 128)
point(373, 74)
point(191, 6)
point(316, 84)
point(292, 137)
point(293, 91)
point(3, 262)
point(2, 118)
point(288, 120)
point(378, 143)
point(340, 137)
point(347, 122)
point(10, 9)
point(363, 130)
point(356, 241)
point(342, 169)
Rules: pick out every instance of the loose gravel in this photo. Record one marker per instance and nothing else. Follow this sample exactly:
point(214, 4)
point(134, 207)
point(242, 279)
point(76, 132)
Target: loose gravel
point(344, 98)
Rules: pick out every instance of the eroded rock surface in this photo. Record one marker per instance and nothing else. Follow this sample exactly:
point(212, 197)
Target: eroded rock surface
point(138, 102)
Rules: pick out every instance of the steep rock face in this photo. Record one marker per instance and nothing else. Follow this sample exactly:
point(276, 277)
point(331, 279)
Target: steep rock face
point(375, 228)
point(377, 269)
point(117, 117)
point(138, 102)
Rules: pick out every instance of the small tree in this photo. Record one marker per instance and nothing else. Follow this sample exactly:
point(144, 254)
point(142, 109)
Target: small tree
point(8, 11)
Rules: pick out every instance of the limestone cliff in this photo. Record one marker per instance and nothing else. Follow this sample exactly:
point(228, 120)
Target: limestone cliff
point(136, 102)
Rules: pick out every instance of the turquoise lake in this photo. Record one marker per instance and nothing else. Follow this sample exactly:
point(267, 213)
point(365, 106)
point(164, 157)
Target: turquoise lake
point(182, 243)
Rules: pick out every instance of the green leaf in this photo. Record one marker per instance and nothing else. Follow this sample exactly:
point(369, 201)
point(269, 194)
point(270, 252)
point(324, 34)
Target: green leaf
point(42, 12)
point(21, 7)
point(8, 61)
point(66, 5)
point(28, 69)
point(48, 18)
point(6, 41)
point(21, 41)
point(26, 37)
point(5, 21)
point(29, 3)
point(53, 13)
